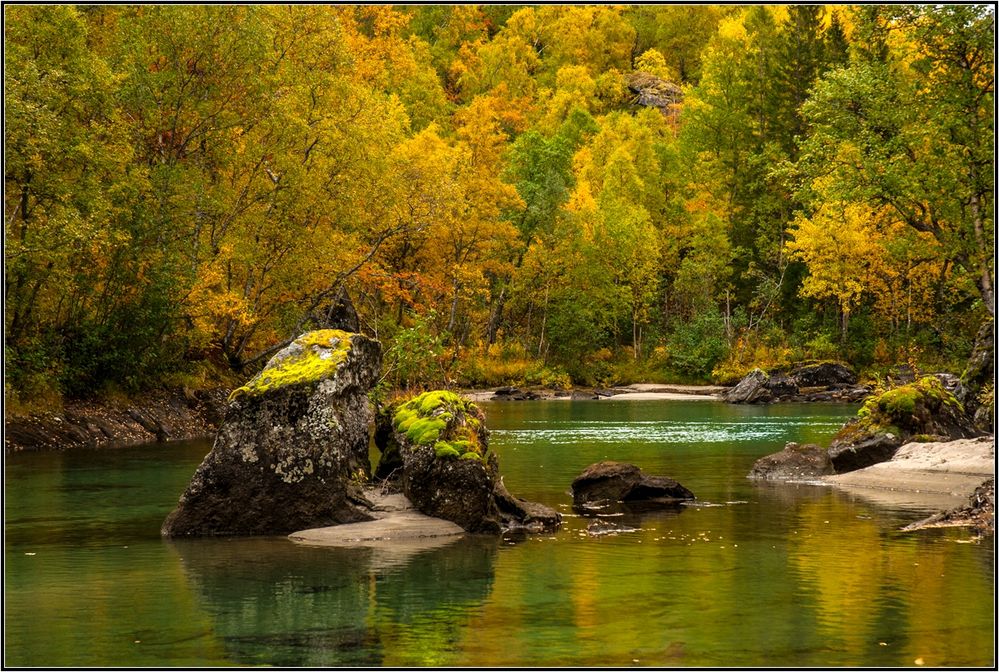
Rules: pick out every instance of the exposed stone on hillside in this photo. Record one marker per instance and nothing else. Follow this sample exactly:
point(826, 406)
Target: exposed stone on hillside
point(652, 91)
point(438, 449)
point(293, 443)
point(977, 391)
point(612, 482)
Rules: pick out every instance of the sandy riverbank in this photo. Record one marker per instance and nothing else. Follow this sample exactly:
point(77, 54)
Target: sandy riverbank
point(924, 475)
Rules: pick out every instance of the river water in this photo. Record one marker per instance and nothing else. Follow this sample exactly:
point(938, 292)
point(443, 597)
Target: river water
point(752, 575)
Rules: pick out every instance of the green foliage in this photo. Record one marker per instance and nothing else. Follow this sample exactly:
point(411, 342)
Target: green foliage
point(188, 186)
point(696, 347)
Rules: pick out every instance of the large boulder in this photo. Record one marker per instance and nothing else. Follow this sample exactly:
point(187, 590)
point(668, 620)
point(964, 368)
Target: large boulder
point(794, 463)
point(439, 449)
point(920, 409)
point(612, 482)
point(293, 442)
point(822, 374)
point(759, 387)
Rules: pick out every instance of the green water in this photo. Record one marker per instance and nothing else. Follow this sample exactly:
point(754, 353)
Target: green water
point(754, 575)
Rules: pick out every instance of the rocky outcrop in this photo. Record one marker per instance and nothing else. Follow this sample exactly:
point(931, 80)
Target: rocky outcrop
point(923, 409)
point(514, 394)
point(160, 415)
point(794, 463)
point(822, 374)
point(863, 450)
point(807, 381)
point(977, 391)
point(611, 482)
point(760, 387)
point(652, 91)
point(438, 448)
point(293, 443)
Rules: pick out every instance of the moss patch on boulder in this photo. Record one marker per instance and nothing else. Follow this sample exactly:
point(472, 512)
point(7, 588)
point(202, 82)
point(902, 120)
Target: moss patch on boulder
point(309, 359)
point(913, 408)
point(444, 420)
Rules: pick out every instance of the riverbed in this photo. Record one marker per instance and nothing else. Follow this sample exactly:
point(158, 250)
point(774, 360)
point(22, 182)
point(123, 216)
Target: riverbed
point(749, 575)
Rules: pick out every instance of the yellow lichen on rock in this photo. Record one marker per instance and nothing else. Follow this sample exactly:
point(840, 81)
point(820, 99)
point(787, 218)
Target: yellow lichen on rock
point(317, 356)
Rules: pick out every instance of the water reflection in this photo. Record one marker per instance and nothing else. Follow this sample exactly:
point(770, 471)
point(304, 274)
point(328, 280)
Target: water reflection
point(280, 603)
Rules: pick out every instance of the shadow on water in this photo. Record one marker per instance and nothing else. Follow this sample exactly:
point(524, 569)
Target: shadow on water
point(279, 603)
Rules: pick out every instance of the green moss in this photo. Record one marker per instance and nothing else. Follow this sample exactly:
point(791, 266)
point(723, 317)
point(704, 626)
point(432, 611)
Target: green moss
point(445, 450)
point(404, 416)
point(471, 456)
point(425, 430)
point(322, 353)
point(441, 418)
point(428, 402)
point(899, 401)
point(885, 411)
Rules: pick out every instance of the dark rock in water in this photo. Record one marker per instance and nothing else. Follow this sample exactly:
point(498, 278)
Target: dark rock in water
point(519, 514)
point(795, 462)
point(865, 450)
point(447, 472)
point(888, 420)
point(822, 374)
point(453, 489)
point(759, 387)
point(622, 482)
point(293, 441)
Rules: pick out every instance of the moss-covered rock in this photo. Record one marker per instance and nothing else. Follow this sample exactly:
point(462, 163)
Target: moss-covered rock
point(310, 358)
point(892, 418)
point(293, 442)
point(438, 449)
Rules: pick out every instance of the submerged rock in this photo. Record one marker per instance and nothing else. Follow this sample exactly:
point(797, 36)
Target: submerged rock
point(612, 482)
point(439, 448)
point(293, 442)
point(795, 462)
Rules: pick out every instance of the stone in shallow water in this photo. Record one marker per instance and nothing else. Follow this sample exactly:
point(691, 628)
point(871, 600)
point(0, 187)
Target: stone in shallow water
point(611, 481)
point(795, 462)
point(293, 440)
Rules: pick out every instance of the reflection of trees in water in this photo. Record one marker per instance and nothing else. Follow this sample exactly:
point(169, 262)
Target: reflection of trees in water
point(279, 603)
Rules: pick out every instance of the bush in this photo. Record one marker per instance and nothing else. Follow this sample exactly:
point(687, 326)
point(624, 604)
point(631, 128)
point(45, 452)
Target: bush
point(697, 346)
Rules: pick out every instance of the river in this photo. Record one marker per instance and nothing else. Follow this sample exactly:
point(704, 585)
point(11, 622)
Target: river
point(750, 575)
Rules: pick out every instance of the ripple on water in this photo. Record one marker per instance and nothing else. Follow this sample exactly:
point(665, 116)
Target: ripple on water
point(657, 431)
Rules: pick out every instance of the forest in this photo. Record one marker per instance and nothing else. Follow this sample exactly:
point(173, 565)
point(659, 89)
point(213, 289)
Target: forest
point(534, 195)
